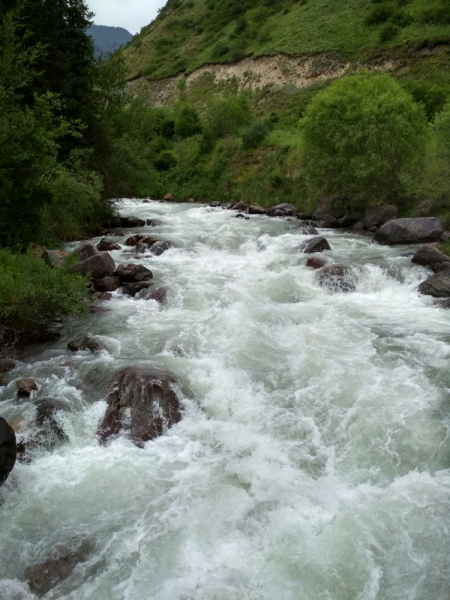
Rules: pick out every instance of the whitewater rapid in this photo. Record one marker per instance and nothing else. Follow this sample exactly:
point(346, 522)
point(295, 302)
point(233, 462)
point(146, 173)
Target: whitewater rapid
point(312, 462)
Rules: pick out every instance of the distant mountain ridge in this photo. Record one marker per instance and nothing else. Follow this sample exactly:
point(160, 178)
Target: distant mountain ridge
point(108, 39)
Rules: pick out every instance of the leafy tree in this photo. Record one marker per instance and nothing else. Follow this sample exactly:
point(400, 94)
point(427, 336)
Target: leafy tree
point(187, 121)
point(255, 134)
point(225, 116)
point(442, 127)
point(364, 138)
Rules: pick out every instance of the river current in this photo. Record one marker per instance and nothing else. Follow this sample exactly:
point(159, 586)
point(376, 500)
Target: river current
point(312, 462)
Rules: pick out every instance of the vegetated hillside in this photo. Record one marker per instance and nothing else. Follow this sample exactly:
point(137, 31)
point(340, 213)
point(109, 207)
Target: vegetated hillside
point(190, 33)
point(108, 39)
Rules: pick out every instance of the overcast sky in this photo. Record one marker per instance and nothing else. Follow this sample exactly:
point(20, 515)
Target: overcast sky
point(130, 14)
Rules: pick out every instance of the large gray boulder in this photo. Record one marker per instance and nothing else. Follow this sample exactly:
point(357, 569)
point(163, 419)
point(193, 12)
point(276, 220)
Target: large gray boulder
point(285, 209)
point(410, 231)
point(350, 218)
point(142, 403)
point(8, 450)
point(379, 215)
point(437, 285)
point(85, 251)
point(430, 256)
point(99, 265)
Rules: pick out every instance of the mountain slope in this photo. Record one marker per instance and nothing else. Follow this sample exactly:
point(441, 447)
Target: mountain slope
point(107, 39)
point(190, 33)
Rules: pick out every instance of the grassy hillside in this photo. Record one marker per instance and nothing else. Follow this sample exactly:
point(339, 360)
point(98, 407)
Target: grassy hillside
point(190, 33)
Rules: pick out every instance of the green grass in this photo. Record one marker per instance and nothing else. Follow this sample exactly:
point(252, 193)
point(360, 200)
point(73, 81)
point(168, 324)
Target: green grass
point(188, 34)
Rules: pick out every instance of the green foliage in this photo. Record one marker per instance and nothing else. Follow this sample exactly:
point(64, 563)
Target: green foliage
point(431, 95)
point(187, 121)
point(442, 127)
point(33, 292)
point(363, 139)
point(225, 116)
point(437, 14)
point(254, 134)
point(165, 161)
point(380, 14)
point(389, 32)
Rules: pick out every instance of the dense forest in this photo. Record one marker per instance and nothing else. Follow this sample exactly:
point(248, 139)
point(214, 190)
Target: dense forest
point(77, 133)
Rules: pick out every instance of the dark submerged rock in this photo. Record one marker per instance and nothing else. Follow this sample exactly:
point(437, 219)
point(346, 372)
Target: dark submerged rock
point(410, 231)
point(160, 247)
point(85, 343)
point(437, 285)
point(316, 244)
point(107, 245)
point(241, 216)
point(134, 274)
point(350, 218)
point(430, 256)
point(310, 231)
point(134, 288)
point(26, 386)
point(6, 365)
point(359, 226)
point(215, 204)
point(57, 567)
point(45, 417)
point(131, 222)
point(337, 278)
point(148, 395)
point(154, 222)
point(8, 450)
point(160, 295)
point(315, 263)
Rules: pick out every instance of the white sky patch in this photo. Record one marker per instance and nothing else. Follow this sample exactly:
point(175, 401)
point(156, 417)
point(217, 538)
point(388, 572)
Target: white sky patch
point(129, 14)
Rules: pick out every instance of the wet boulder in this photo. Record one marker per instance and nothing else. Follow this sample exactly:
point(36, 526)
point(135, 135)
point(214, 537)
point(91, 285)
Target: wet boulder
point(315, 244)
point(26, 386)
point(140, 248)
point(310, 231)
point(45, 418)
point(131, 222)
point(131, 289)
point(8, 450)
point(104, 296)
point(337, 278)
point(56, 568)
point(142, 404)
point(98, 266)
point(437, 285)
point(240, 205)
point(110, 283)
point(328, 222)
point(160, 295)
point(285, 209)
point(85, 343)
point(134, 239)
point(350, 218)
point(154, 222)
point(306, 216)
point(359, 226)
point(169, 198)
point(314, 262)
point(410, 231)
point(430, 256)
point(379, 215)
point(256, 209)
point(6, 365)
point(215, 204)
point(107, 245)
point(241, 216)
point(134, 274)
point(85, 251)
point(160, 247)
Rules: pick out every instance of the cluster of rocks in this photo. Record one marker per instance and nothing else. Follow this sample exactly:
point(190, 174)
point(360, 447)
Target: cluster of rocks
point(370, 220)
point(280, 210)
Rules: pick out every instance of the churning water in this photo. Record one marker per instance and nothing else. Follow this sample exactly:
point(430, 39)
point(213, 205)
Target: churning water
point(312, 460)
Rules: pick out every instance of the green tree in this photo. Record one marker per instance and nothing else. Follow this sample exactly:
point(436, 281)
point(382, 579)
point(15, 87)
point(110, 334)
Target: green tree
point(364, 139)
point(225, 116)
point(187, 121)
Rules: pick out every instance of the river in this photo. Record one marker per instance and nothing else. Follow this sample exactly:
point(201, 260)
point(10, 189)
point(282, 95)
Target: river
point(312, 462)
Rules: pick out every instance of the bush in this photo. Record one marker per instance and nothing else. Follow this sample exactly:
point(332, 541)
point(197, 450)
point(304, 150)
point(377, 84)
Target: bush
point(255, 134)
point(389, 32)
point(241, 26)
point(225, 116)
point(432, 96)
point(187, 121)
point(165, 161)
point(364, 138)
point(437, 15)
point(31, 292)
point(380, 14)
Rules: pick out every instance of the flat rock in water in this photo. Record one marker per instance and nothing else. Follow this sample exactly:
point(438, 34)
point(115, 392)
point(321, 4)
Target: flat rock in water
point(85, 343)
point(57, 567)
point(410, 231)
point(430, 256)
point(107, 245)
point(337, 278)
point(316, 244)
point(8, 450)
point(437, 285)
point(148, 396)
point(25, 386)
point(134, 274)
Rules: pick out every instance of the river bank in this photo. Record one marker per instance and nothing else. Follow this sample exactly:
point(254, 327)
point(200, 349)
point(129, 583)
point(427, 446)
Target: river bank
point(311, 459)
